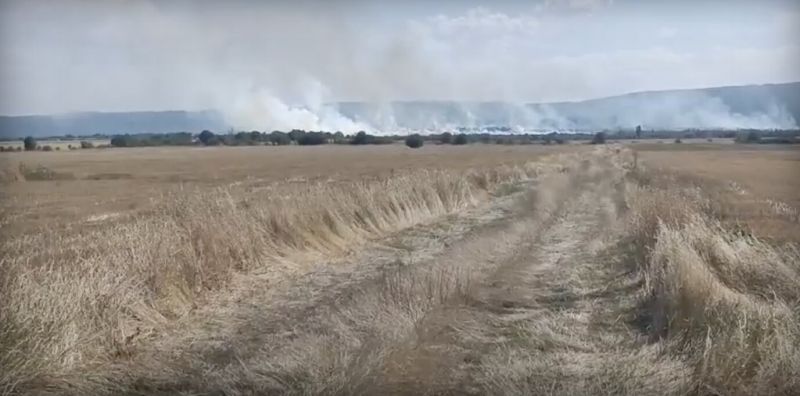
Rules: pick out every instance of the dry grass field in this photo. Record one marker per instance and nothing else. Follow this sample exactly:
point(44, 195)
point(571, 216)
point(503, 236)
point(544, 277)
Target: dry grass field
point(51, 189)
point(61, 144)
point(758, 184)
point(513, 270)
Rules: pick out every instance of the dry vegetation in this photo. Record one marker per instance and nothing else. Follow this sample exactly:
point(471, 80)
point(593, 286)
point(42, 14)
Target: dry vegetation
point(62, 189)
point(597, 272)
point(717, 296)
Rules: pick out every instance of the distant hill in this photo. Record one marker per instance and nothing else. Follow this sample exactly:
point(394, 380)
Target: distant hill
point(109, 123)
point(773, 106)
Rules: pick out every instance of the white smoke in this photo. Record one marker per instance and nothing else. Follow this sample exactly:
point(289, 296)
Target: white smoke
point(258, 109)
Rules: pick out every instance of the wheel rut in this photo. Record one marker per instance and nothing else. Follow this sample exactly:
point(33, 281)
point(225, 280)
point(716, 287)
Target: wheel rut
point(507, 299)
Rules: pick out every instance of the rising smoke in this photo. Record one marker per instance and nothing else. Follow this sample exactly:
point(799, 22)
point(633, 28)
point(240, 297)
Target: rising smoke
point(345, 66)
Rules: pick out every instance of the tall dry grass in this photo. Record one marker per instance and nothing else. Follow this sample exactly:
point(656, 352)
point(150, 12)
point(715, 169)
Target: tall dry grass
point(718, 297)
point(73, 302)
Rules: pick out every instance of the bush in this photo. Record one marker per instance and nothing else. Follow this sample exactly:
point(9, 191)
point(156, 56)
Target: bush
point(364, 138)
point(414, 141)
point(599, 138)
point(279, 138)
point(360, 138)
point(120, 141)
point(446, 138)
point(749, 137)
point(47, 148)
point(460, 139)
point(678, 141)
point(206, 137)
point(86, 145)
point(312, 139)
point(29, 143)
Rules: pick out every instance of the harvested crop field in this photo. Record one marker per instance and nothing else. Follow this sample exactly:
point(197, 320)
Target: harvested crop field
point(459, 270)
point(51, 189)
point(758, 184)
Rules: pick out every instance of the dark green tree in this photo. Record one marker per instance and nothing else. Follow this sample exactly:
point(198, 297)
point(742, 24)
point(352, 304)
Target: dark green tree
point(29, 143)
point(361, 138)
point(446, 138)
point(414, 141)
point(207, 137)
point(279, 138)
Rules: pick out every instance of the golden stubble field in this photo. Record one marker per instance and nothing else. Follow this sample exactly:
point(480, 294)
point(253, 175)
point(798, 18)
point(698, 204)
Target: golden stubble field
point(662, 269)
point(52, 189)
point(759, 183)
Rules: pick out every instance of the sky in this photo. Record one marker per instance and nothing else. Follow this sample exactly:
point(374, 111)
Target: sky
point(240, 56)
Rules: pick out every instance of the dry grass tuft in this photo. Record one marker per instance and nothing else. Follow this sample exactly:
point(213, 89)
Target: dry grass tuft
point(71, 303)
point(719, 297)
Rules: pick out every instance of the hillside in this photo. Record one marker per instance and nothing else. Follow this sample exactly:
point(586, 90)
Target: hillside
point(773, 106)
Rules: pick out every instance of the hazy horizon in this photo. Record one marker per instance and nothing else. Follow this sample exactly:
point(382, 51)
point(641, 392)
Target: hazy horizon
point(279, 64)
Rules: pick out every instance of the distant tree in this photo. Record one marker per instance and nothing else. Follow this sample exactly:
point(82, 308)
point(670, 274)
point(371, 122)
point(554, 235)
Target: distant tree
point(678, 140)
point(446, 138)
point(414, 141)
point(360, 138)
point(279, 138)
point(599, 138)
point(638, 131)
point(312, 139)
point(339, 138)
point(256, 136)
point(748, 137)
point(241, 138)
point(86, 145)
point(120, 141)
point(206, 137)
point(296, 134)
point(460, 139)
point(29, 143)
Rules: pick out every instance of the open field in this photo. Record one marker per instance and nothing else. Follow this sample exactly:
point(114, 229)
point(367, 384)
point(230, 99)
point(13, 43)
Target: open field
point(61, 188)
point(514, 270)
point(61, 144)
point(757, 184)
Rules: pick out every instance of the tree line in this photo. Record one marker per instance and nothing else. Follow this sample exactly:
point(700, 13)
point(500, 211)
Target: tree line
point(312, 138)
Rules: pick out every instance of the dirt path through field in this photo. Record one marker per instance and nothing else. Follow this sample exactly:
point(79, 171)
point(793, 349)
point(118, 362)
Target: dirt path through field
point(521, 296)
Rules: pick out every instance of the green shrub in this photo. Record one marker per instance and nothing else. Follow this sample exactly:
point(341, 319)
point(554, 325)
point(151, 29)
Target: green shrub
point(599, 138)
point(749, 137)
point(206, 137)
point(446, 138)
point(460, 139)
point(29, 143)
point(414, 141)
point(279, 138)
point(312, 139)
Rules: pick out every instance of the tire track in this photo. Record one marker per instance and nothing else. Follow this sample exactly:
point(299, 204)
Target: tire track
point(448, 310)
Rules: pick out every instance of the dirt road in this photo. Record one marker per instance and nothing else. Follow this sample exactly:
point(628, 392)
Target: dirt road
point(524, 295)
